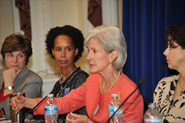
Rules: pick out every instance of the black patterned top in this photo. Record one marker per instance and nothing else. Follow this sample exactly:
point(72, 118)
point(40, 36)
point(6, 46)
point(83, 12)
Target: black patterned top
point(73, 81)
point(173, 111)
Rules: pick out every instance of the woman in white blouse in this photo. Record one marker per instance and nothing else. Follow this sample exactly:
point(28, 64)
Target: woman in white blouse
point(169, 95)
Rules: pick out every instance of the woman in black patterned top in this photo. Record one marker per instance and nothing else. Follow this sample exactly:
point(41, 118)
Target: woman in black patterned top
point(65, 45)
point(169, 95)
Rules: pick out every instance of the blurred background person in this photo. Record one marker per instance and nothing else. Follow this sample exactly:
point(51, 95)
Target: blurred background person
point(66, 45)
point(170, 91)
point(107, 55)
point(16, 77)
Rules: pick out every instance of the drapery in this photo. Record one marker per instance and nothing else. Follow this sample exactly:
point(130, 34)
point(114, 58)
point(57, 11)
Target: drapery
point(144, 24)
point(95, 12)
point(25, 20)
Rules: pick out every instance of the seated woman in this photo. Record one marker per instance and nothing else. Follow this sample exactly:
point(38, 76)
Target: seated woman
point(65, 45)
point(16, 77)
point(170, 91)
point(107, 55)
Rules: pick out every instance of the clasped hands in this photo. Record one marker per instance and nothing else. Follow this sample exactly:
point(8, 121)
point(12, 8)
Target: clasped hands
point(17, 102)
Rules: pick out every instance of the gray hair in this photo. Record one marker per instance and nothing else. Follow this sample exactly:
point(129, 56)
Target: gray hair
point(110, 38)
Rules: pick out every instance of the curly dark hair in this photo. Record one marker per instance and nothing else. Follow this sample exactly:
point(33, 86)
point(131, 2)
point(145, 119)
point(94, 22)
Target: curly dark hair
point(176, 34)
point(17, 42)
point(74, 33)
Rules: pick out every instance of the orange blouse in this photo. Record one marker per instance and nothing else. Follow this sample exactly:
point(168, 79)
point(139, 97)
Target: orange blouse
point(97, 104)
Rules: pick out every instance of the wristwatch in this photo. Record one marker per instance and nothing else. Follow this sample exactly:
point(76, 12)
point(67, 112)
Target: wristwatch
point(9, 88)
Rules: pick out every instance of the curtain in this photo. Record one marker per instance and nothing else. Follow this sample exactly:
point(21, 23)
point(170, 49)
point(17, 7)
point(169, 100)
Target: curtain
point(144, 24)
point(95, 12)
point(25, 20)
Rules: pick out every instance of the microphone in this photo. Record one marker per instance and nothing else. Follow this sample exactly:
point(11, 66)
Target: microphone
point(55, 89)
point(140, 83)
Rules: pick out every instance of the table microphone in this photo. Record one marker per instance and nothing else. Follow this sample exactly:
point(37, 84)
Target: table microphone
point(56, 87)
point(140, 83)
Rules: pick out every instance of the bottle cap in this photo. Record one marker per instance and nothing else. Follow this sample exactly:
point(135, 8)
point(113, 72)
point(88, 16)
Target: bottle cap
point(114, 95)
point(50, 95)
point(151, 105)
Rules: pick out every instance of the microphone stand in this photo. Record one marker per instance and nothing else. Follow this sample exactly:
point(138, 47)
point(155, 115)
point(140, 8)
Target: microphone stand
point(22, 121)
point(141, 82)
point(52, 92)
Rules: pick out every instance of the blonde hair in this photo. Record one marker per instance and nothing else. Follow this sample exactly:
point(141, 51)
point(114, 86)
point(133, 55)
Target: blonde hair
point(111, 38)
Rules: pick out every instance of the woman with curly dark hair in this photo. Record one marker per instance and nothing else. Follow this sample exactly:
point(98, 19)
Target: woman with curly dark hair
point(65, 45)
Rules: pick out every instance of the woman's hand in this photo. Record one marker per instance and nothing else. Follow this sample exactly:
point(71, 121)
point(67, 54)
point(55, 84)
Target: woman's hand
point(17, 102)
point(76, 118)
point(9, 76)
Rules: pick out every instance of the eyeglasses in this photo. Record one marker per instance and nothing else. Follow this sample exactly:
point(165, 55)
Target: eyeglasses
point(11, 56)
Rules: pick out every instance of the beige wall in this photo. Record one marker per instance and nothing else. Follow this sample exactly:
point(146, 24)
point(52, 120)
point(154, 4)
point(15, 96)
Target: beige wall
point(6, 19)
point(69, 12)
point(120, 14)
point(6, 22)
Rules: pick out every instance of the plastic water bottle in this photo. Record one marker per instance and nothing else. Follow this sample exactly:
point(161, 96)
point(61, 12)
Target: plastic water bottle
point(51, 110)
point(113, 106)
point(152, 115)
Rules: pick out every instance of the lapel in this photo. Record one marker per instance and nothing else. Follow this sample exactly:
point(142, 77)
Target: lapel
point(21, 76)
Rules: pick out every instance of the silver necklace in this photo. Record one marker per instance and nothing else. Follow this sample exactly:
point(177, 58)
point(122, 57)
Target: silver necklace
point(62, 88)
point(70, 78)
